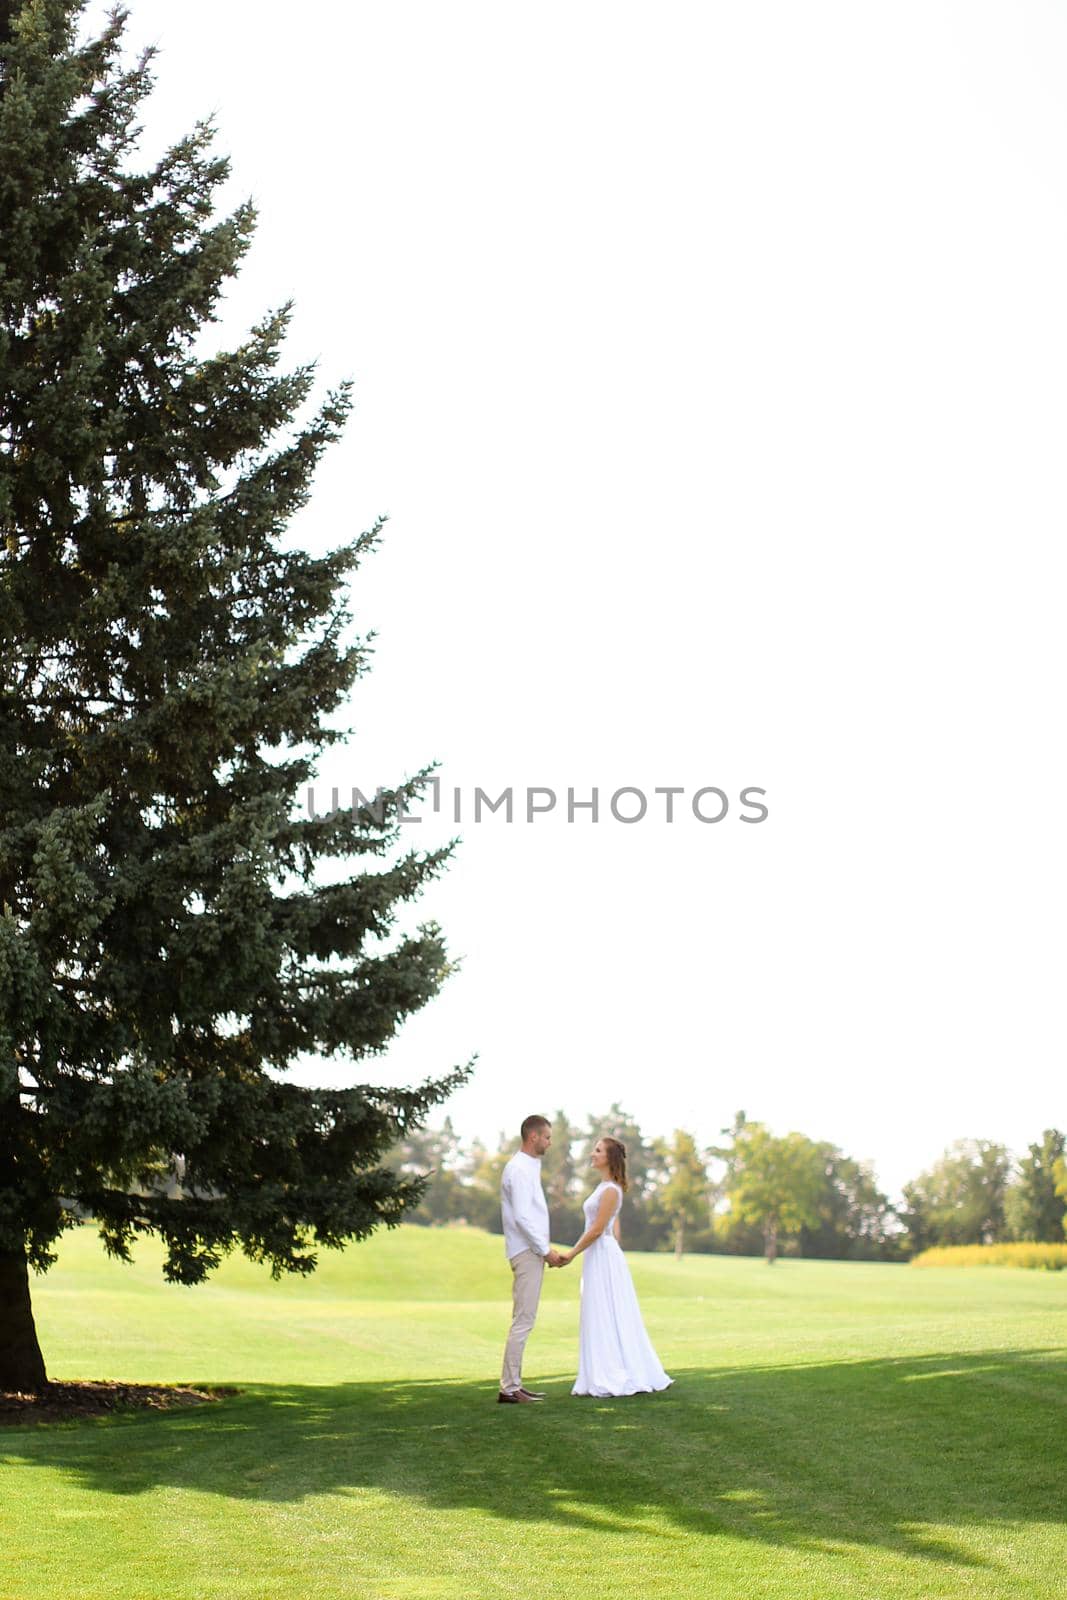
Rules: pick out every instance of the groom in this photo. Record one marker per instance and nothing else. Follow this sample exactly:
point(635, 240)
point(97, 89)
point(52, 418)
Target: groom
point(525, 1216)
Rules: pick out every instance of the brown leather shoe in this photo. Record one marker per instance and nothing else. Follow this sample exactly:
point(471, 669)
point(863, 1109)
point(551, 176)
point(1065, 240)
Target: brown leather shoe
point(531, 1394)
point(518, 1397)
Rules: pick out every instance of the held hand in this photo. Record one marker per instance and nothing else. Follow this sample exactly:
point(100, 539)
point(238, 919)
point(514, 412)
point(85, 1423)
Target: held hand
point(554, 1258)
point(566, 1258)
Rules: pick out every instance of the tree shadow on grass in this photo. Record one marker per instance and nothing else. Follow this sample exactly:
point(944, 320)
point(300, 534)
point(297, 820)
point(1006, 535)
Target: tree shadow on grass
point(820, 1456)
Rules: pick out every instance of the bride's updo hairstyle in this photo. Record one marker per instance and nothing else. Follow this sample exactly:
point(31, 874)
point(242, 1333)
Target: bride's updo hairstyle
point(615, 1151)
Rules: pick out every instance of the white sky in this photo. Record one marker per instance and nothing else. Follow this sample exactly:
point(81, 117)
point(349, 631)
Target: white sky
point(710, 363)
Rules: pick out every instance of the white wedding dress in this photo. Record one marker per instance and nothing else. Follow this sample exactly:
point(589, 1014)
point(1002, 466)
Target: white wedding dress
point(615, 1355)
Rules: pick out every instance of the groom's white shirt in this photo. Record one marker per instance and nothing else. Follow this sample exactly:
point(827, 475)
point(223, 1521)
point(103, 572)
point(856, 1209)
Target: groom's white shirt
point(523, 1206)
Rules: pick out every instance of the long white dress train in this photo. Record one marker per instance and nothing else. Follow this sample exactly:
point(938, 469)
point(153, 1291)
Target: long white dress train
point(615, 1355)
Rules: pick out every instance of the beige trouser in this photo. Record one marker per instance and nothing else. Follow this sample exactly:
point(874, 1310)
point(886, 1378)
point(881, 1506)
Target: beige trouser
point(528, 1270)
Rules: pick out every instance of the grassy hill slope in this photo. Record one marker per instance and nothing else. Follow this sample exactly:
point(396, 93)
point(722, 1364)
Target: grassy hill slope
point(835, 1430)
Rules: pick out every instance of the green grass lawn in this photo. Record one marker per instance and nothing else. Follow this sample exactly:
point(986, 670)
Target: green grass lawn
point(835, 1430)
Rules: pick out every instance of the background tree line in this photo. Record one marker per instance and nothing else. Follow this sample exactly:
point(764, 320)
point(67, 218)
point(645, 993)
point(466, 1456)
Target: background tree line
point(756, 1192)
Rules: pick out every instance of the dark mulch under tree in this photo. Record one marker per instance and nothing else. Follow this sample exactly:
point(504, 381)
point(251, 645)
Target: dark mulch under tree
point(70, 1402)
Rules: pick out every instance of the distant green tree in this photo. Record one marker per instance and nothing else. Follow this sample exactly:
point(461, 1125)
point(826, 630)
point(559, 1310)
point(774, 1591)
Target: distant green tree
point(775, 1183)
point(728, 1233)
point(433, 1156)
point(683, 1195)
point(559, 1174)
point(961, 1199)
point(1033, 1209)
point(854, 1219)
point(726, 1151)
point(1059, 1174)
point(480, 1174)
point(732, 1235)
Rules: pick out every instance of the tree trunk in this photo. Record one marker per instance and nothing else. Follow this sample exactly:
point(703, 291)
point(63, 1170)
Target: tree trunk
point(679, 1238)
point(21, 1362)
point(770, 1242)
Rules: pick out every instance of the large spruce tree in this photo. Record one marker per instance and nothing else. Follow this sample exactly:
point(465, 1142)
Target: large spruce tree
point(168, 667)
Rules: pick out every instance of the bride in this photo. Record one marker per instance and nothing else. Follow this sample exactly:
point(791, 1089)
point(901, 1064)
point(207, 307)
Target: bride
point(615, 1355)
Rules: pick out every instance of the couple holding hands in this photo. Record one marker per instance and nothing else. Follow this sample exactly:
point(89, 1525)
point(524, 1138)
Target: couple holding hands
point(615, 1356)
